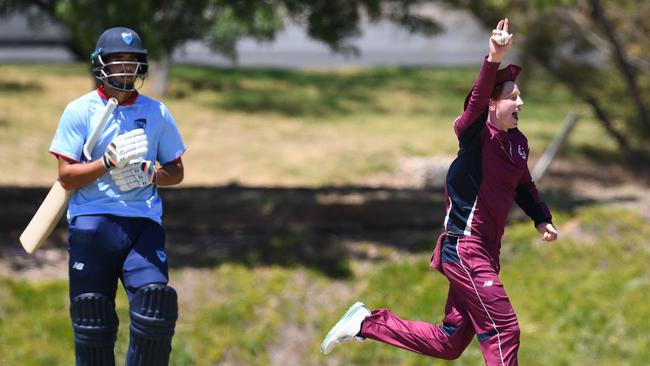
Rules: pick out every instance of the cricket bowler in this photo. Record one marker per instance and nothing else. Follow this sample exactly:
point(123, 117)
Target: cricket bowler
point(488, 175)
point(115, 212)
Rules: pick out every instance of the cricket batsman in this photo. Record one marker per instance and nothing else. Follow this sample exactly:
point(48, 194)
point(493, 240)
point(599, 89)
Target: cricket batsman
point(115, 212)
point(488, 175)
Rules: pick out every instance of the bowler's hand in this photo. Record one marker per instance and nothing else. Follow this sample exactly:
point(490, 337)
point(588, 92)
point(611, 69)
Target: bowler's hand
point(498, 52)
point(548, 231)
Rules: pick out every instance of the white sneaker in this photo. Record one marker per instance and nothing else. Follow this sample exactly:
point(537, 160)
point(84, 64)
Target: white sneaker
point(347, 328)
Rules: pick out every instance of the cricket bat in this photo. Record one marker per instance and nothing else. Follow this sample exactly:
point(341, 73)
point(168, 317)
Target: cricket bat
point(55, 203)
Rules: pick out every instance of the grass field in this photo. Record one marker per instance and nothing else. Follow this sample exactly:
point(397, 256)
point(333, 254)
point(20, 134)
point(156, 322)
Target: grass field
point(581, 301)
point(311, 128)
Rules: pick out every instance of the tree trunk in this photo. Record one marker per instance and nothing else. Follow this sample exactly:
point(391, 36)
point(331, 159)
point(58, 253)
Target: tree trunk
point(158, 75)
point(576, 87)
point(623, 144)
point(598, 15)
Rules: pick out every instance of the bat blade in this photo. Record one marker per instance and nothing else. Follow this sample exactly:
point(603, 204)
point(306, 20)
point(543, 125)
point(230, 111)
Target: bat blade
point(56, 202)
point(47, 216)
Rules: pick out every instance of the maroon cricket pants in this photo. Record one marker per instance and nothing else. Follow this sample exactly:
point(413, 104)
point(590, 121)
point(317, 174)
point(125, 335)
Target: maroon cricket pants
point(477, 304)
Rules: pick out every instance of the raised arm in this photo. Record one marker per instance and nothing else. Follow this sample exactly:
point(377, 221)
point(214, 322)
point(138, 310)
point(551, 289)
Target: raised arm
point(479, 95)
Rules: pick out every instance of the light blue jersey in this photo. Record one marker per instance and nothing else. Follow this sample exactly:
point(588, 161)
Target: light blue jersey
point(102, 196)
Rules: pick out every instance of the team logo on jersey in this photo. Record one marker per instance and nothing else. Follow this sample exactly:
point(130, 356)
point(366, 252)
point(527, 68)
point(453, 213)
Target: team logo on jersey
point(140, 122)
point(127, 37)
point(522, 152)
point(161, 255)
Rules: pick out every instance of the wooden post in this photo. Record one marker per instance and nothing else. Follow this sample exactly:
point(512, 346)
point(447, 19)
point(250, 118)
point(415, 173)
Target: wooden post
point(551, 151)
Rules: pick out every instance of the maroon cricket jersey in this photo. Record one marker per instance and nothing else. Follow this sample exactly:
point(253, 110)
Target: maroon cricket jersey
point(489, 173)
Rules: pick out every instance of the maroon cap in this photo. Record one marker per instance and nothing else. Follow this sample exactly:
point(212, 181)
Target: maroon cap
point(508, 73)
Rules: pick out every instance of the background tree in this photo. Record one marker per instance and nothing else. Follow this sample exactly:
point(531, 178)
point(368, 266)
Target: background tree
point(598, 48)
point(164, 24)
point(167, 24)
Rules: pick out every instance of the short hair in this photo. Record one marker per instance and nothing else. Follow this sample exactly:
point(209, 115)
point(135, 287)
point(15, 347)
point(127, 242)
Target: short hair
point(496, 92)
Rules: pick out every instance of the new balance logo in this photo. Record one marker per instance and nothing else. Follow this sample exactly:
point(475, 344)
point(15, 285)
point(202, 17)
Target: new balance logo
point(78, 266)
point(488, 283)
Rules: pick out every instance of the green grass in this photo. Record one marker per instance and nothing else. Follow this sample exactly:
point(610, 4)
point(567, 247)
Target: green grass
point(299, 128)
point(580, 301)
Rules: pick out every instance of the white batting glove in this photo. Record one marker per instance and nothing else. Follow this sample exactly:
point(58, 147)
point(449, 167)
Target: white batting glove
point(137, 174)
point(126, 147)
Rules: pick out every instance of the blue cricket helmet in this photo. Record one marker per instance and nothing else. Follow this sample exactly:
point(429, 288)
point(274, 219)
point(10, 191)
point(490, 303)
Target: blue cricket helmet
point(119, 40)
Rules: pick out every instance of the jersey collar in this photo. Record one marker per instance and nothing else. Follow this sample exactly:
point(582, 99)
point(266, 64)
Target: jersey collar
point(130, 101)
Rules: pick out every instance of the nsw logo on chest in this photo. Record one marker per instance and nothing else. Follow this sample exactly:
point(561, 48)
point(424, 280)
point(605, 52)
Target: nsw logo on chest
point(140, 123)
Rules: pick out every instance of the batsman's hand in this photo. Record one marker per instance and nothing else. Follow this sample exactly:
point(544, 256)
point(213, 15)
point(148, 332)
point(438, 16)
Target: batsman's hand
point(125, 148)
point(137, 174)
point(548, 231)
point(496, 51)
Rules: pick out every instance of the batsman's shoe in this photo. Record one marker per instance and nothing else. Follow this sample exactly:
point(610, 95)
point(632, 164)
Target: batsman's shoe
point(347, 328)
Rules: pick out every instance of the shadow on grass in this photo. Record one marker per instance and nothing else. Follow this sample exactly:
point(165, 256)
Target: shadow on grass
point(270, 226)
point(603, 167)
point(16, 87)
point(317, 228)
point(639, 163)
point(311, 93)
